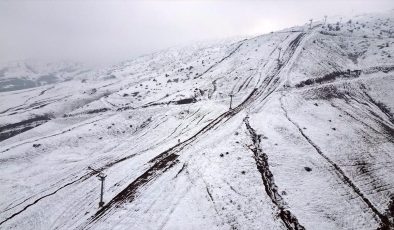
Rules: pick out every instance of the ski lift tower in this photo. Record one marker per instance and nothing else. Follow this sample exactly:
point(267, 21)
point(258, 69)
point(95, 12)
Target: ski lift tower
point(101, 177)
point(280, 49)
point(231, 100)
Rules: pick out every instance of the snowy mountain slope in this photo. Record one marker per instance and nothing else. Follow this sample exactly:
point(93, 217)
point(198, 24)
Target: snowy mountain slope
point(307, 145)
point(28, 74)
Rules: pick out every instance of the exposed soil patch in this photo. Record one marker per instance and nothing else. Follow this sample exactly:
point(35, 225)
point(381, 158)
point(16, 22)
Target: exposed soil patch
point(331, 77)
point(349, 74)
point(130, 192)
point(93, 111)
point(168, 158)
point(382, 107)
point(11, 130)
point(271, 188)
point(186, 101)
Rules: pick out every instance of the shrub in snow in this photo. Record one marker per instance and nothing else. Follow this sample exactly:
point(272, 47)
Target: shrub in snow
point(307, 169)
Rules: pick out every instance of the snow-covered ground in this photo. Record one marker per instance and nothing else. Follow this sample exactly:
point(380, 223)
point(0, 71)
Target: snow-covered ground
point(308, 143)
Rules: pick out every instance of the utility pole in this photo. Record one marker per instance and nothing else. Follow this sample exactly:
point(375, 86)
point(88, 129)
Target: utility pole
point(280, 49)
point(231, 101)
point(101, 177)
point(310, 23)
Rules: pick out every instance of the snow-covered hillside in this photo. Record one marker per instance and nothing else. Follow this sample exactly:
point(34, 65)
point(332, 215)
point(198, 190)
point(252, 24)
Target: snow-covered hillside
point(307, 144)
point(29, 74)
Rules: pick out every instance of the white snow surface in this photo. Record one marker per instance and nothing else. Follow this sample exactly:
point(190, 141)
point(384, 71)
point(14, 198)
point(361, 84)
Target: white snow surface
point(308, 143)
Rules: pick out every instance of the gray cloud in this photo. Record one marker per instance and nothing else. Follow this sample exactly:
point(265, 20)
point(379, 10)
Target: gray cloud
point(117, 30)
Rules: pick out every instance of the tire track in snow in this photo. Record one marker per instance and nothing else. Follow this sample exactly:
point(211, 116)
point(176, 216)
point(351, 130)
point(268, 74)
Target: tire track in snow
point(214, 89)
point(216, 64)
point(224, 58)
point(161, 163)
point(167, 159)
point(289, 219)
point(382, 108)
point(52, 135)
point(80, 179)
point(247, 82)
point(357, 120)
point(27, 108)
point(41, 93)
point(384, 220)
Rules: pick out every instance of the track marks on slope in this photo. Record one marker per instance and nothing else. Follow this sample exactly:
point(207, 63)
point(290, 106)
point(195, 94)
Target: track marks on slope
point(168, 158)
point(10, 130)
point(130, 192)
point(159, 165)
point(382, 107)
point(289, 219)
point(53, 135)
point(390, 214)
point(221, 60)
point(80, 179)
point(271, 82)
point(165, 160)
point(341, 174)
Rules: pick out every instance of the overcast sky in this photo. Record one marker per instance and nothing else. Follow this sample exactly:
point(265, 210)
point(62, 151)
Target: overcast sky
point(118, 30)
